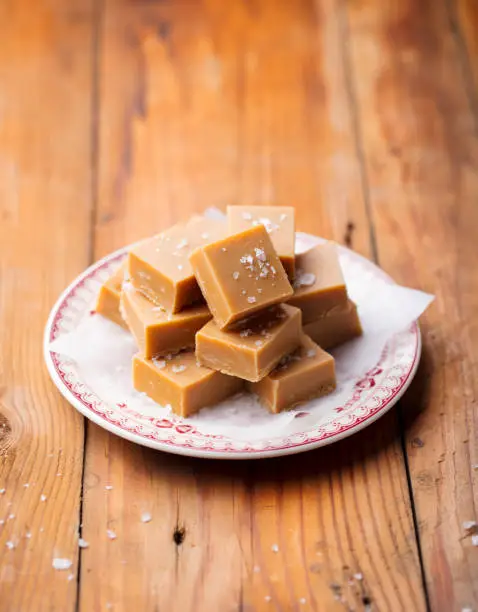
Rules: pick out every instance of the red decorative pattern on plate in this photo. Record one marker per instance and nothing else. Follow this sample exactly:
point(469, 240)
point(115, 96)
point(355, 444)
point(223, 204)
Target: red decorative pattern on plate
point(373, 395)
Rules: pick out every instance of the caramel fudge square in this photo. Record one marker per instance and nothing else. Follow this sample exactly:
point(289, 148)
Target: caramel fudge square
point(306, 374)
point(159, 268)
point(279, 222)
point(157, 332)
point(250, 353)
point(319, 284)
point(183, 384)
point(335, 327)
point(108, 302)
point(240, 275)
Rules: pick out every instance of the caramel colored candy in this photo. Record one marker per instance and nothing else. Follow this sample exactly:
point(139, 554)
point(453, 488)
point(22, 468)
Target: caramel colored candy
point(279, 222)
point(240, 275)
point(319, 283)
point(250, 353)
point(337, 326)
point(108, 302)
point(183, 384)
point(306, 374)
point(157, 332)
point(159, 268)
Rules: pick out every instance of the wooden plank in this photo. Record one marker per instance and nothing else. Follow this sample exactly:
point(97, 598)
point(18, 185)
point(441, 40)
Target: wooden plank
point(464, 22)
point(45, 143)
point(421, 153)
point(217, 104)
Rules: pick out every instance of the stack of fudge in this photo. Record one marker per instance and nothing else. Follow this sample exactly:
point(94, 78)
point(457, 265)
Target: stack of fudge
point(215, 307)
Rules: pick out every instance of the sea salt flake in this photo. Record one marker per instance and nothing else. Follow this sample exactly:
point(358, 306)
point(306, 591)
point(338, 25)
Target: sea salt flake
point(358, 576)
point(223, 249)
point(178, 368)
point(111, 534)
point(26, 485)
point(28, 535)
point(302, 600)
point(474, 539)
point(268, 224)
point(10, 545)
point(243, 292)
point(251, 299)
point(43, 497)
point(2, 521)
point(146, 517)
point(11, 516)
point(235, 275)
point(71, 577)
point(245, 332)
point(256, 569)
point(259, 290)
point(83, 543)
point(180, 266)
point(268, 598)
point(470, 527)
point(304, 279)
point(247, 260)
point(260, 254)
point(61, 564)
point(311, 353)
point(109, 487)
point(258, 342)
point(283, 217)
point(159, 363)
point(2, 491)
point(182, 243)
point(205, 236)
point(247, 216)
point(275, 548)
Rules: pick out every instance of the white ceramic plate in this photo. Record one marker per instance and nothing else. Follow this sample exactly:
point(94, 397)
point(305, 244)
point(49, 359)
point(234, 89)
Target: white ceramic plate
point(372, 395)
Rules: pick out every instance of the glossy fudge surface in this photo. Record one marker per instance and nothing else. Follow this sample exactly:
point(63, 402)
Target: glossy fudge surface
point(250, 353)
point(108, 302)
point(319, 284)
point(157, 332)
point(306, 374)
point(336, 327)
point(181, 383)
point(159, 268)
point(279, 222)
point(240, 275)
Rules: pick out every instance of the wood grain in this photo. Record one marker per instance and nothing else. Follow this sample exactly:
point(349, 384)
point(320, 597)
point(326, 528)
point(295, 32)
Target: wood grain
point(203, 104)
point(421, 151)
point(45, 202)
point(463, 15)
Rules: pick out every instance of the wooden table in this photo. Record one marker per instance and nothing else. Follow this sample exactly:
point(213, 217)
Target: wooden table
point(118, 118)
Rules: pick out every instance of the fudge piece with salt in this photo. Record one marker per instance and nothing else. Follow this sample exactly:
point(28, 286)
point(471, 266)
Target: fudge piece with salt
point(319, 284)
point(251, 353)
point(304, 375)
point(159, 268)
point(279, 222)
point(240, 275)
point(178, 380)
point(156, 331)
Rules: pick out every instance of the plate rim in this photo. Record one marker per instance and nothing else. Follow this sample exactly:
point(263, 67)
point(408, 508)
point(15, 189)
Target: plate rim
point(300, 447)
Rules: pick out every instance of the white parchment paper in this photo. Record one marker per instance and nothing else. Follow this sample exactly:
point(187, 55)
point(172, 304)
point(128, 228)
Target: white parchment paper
point(102, 352)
